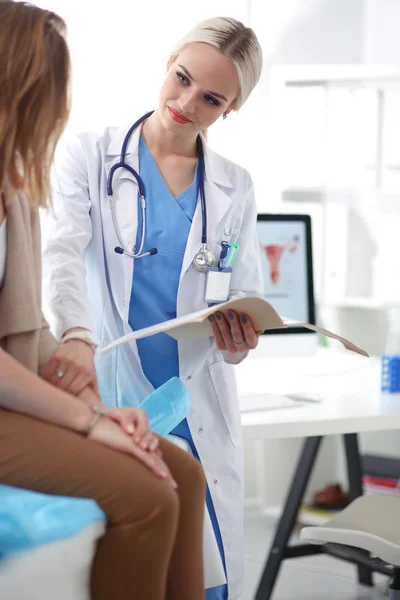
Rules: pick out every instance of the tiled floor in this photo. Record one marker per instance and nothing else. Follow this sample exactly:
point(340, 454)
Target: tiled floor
point(310, 578)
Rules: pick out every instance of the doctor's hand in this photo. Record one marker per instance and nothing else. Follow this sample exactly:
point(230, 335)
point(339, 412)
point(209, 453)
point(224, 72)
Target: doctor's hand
point(71, 368)
point(234, 333)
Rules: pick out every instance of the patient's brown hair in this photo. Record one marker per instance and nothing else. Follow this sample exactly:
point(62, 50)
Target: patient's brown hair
point(34, 96)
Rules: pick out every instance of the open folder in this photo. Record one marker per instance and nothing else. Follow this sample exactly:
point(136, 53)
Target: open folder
point(196, 325)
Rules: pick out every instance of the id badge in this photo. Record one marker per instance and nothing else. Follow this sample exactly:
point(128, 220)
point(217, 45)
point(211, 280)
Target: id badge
point(217, 285)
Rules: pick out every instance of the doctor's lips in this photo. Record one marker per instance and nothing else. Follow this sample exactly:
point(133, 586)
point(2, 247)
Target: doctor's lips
point(177, 116)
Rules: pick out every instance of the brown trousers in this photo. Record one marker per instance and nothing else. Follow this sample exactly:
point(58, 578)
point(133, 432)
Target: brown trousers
point(153, 546)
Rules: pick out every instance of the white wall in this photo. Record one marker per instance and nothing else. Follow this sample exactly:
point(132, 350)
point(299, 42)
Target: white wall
point(381, 35)
point(270, 466)
point(120, 50)
point(316, 31)
point(290, 32)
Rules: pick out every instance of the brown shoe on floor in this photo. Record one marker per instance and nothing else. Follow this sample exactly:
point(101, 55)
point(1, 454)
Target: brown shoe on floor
point(332, 497)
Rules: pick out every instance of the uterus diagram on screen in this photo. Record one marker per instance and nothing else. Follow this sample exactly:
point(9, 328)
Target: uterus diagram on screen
point(274, 254)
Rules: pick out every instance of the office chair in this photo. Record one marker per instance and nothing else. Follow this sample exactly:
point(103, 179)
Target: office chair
point(370, 523)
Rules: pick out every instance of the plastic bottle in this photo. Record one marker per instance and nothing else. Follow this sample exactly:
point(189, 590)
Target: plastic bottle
point(167, 406)
point(390, 362)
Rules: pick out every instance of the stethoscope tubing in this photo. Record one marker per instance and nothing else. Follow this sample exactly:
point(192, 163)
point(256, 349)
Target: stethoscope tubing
point(122, 164)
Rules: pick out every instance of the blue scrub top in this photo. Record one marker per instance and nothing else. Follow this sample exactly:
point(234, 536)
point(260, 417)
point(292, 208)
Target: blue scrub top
point(155, 290)
point(156, 278)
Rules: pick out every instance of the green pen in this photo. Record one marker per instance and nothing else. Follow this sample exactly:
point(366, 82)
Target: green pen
point(235, 249)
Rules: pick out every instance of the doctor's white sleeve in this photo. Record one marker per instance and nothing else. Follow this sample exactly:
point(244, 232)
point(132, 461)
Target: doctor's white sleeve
point(67, 230)
point(247, 277)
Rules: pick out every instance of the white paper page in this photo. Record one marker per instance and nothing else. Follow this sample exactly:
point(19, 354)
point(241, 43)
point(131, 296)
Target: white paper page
point(346, 343)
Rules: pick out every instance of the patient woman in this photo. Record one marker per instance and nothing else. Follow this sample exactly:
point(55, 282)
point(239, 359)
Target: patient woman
point(52, 441)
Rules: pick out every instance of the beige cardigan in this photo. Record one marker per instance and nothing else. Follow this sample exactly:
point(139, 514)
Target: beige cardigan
point(24, 333)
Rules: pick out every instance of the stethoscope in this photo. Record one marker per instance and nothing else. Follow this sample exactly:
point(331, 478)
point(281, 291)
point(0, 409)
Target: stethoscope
point(204, 258)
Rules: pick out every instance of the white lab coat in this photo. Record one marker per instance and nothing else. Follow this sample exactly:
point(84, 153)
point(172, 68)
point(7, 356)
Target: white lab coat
point(95, 293)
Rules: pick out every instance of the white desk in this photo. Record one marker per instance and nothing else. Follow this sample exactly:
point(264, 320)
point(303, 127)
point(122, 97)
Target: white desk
point(349, 386)
point(352, 401)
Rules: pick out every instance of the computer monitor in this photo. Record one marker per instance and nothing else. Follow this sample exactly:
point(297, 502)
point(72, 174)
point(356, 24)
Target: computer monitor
point(286, 256)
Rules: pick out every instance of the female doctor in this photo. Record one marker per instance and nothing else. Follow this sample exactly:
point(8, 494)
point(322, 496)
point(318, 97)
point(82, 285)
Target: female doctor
point(139, 214)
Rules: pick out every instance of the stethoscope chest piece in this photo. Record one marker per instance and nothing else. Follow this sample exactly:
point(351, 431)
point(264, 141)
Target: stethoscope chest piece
point(203, 259)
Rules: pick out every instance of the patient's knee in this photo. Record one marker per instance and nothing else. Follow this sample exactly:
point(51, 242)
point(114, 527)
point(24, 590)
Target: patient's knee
point(192, 474)
point(138, 495)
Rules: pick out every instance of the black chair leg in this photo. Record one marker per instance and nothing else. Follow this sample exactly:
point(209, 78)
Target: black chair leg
point(354, 472)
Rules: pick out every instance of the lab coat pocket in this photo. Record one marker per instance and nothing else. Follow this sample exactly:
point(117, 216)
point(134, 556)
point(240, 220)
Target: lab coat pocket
point(224, 383)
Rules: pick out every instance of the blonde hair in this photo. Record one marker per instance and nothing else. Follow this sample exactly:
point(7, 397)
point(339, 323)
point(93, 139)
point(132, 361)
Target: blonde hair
point(235, 41)
point(34, 102)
